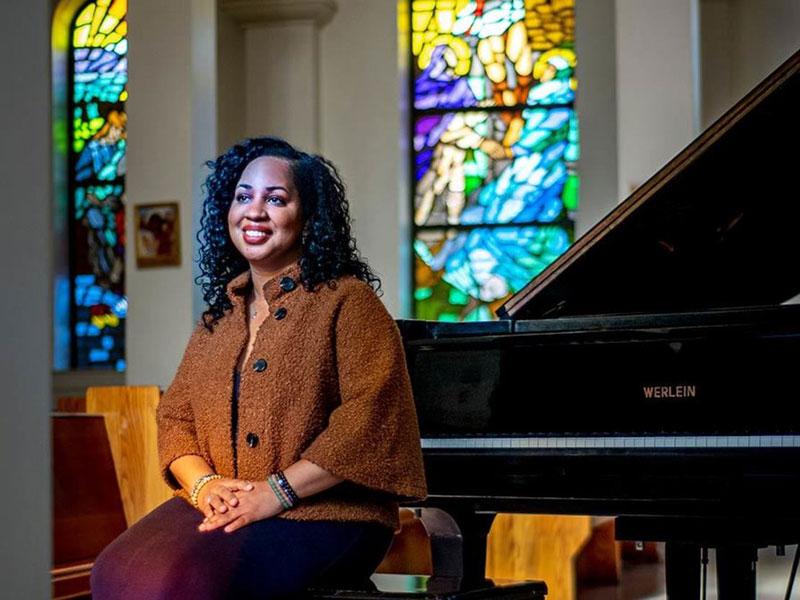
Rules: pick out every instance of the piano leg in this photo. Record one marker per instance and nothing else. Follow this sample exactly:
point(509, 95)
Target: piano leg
point(736, 572)
point(474, 527)
point(682, 566)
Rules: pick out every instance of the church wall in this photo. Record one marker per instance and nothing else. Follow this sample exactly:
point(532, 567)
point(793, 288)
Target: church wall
point(25, 307)
point(742, 41)
point(361, 123)
point(159, 168)
point(596, 104)
point(656, 85)
point(230, 81)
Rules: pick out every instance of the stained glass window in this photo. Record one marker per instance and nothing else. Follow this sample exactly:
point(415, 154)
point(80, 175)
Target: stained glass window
point(97, 144)
point(495, 145)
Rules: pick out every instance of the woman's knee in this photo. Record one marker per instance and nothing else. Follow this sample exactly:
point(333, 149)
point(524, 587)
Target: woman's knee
point(108, 574)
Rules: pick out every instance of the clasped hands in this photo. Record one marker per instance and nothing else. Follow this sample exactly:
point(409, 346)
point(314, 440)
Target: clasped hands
point(234, 503)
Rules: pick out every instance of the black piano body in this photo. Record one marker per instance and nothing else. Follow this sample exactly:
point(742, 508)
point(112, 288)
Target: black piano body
point(650, 372)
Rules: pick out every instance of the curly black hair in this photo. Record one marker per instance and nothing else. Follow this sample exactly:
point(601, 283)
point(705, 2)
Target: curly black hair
point(328, 249)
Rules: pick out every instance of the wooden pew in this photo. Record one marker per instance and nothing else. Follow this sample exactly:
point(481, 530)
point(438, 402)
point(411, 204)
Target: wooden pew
point(130, 417)
point(87, 507)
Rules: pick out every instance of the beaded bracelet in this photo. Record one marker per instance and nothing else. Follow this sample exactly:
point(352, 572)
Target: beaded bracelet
point(288, 489)
point(278, 494)
point(282, 490)
point(198, 485)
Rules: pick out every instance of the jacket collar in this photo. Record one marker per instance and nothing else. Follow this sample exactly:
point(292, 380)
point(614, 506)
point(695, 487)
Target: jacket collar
point(284, 282)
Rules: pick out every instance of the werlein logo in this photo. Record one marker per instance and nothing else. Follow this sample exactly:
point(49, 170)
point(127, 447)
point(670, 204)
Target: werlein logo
point(669, 391)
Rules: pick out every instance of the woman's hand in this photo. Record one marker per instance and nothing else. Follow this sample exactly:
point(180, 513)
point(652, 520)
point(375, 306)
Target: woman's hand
point(258, 503)
point(218, 495)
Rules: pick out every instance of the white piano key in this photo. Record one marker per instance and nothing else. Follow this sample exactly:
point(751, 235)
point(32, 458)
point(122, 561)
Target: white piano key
point(600, 442)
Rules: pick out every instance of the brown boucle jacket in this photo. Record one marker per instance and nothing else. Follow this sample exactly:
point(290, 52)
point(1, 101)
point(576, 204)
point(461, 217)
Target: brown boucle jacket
point(335, 391)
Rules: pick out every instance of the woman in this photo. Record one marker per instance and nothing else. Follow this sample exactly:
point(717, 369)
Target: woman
point(289, 428)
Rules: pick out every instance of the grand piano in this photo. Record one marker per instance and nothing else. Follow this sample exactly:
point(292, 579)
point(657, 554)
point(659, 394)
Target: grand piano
point(651, 372)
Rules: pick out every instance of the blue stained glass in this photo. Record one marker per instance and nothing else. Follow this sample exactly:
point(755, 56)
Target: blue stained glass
point(96, 355)
point(109, 297)
point(80, 328)
point(93, 295)
point(490, 264)
point(95, 217)
point(437, 87)
point(92, 331)
point(551, 92)
point(120, 364)
point(103, 160)
point(83, 281)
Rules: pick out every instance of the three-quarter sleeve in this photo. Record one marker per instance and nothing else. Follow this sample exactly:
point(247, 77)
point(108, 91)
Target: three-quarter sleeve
point(372, 436)
point(175, 418)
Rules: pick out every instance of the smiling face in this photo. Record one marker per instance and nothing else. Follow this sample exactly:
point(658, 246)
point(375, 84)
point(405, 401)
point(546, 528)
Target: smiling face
point(265, 217)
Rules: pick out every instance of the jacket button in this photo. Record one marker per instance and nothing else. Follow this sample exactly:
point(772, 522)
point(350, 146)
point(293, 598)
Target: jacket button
point(280, 313)
point(287, 284)
point(260, 365)
point(252, 440)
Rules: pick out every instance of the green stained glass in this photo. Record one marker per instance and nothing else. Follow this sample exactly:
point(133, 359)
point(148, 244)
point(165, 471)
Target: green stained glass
point(570, 194)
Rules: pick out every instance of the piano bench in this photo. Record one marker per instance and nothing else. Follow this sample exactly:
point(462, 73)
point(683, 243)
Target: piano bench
point(425, 587)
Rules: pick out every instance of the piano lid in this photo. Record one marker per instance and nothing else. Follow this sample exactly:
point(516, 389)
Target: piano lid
point(716, 227)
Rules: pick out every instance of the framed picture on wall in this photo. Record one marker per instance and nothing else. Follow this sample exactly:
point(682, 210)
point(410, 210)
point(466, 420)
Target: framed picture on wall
point(157, 230)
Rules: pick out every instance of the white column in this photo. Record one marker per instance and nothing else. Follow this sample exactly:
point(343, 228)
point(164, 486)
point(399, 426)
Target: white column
point(25, 314)
point(281, 73)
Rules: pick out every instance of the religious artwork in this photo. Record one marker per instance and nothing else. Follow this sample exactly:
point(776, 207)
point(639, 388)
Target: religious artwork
point(495, 144)
point(98, 141)
point(157, 235)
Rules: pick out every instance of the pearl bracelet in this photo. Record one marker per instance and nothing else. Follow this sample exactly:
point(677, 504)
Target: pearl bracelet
point(198, 485)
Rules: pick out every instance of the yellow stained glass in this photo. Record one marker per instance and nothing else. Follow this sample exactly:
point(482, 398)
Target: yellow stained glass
point(86, 16)
point(421, 20)
point(108, 24)
point(81, 36)
point(118, 9)
point(517, 41)
point(112, 38)
point(99, 15)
